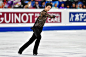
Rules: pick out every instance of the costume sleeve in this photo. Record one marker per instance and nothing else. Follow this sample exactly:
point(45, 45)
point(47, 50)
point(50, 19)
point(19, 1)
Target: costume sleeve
point(43, 14)
point(53, 16)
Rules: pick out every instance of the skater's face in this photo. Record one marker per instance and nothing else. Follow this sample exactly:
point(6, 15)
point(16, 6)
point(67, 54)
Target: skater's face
point(47, 8)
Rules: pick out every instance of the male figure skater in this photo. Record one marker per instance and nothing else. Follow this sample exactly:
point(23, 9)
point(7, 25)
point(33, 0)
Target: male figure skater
point(37, 29)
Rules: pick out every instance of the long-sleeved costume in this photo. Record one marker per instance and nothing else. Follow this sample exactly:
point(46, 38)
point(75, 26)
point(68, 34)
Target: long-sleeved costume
point(37, 29)
point(42, 19)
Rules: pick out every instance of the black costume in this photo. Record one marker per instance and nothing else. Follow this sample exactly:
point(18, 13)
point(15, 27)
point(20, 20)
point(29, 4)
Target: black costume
point(37, 29)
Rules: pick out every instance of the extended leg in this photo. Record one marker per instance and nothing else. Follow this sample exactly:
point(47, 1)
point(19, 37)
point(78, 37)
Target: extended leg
point(27, 44)
point(36, 44)
point(37, 33)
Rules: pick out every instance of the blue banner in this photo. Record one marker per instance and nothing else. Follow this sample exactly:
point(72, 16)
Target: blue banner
point(77, 16)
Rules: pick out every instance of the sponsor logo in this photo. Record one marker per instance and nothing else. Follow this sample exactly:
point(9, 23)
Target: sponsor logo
point(77, 17)
point(26, 17)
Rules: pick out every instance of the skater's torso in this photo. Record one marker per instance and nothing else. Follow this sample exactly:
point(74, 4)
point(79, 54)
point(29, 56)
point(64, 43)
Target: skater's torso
point(41, 19)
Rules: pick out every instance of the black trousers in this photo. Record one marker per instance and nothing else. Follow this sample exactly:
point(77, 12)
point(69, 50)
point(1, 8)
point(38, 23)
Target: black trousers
point(36, 36)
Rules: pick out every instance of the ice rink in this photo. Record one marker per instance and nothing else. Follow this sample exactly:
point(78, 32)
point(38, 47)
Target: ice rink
point(70, 43)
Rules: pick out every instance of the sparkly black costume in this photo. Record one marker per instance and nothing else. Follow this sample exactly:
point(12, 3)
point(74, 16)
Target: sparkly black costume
point(37, 29)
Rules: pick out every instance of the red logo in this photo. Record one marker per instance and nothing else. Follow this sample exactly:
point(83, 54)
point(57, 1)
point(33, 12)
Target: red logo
point(26, 17)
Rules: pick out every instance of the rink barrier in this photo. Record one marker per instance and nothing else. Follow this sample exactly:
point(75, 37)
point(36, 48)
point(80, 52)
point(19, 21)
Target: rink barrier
point(23, 19)
point(7, 29)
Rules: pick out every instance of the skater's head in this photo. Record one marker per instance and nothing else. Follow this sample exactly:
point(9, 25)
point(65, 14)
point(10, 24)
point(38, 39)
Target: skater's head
point(48, 6)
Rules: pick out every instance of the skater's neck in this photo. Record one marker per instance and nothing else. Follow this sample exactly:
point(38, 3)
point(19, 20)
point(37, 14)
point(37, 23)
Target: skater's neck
point(45, 10)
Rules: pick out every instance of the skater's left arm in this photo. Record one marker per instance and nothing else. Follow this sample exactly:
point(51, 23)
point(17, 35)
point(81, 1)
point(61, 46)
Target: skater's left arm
point(53, 16)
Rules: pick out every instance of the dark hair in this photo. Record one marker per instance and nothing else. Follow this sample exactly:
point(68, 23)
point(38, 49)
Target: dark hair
point(42, 2)
point(49, 4)
point(67, 5)
point(84, 5)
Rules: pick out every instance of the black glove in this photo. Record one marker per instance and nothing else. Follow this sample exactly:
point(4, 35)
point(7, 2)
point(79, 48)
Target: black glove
point(54, 16)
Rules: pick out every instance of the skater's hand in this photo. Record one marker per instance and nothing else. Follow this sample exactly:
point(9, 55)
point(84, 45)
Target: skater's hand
point(54, 16)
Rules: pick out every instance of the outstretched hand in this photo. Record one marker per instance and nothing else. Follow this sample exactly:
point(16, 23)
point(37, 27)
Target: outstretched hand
point(54, 16)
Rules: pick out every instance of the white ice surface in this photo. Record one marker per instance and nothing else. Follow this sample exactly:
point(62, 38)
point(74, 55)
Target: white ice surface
point(70, 43)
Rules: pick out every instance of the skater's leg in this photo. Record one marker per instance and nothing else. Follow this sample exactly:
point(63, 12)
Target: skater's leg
point(27, 43)
point(36, 44)
point(37, 33)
